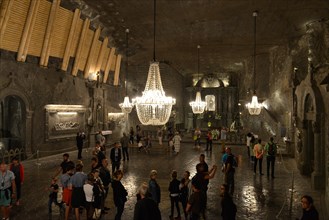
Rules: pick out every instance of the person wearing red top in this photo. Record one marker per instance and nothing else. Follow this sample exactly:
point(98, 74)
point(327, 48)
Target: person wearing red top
point(17, 168)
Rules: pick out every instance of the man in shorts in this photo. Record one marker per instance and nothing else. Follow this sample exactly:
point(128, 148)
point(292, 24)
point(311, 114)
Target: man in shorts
point(7, 180)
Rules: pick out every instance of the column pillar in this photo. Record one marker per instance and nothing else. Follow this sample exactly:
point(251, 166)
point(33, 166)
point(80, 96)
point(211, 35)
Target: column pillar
point(317, 175)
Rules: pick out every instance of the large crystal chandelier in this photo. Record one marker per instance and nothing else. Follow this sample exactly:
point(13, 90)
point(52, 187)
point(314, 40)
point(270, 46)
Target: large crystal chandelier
point(154, 107)
point(198, 105)
point(254, 107)
point(126, 106)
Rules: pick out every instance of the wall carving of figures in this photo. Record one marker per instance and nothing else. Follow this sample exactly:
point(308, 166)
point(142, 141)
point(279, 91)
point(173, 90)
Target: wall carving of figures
point(64, 121)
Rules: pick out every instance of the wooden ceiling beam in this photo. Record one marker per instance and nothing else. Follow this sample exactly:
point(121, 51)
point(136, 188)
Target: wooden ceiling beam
point(108, 65)
point(66, 57)
point(117, 70)
point(48, 36)
point(101, 54)
point(83, 34)
point(27, 32)
point(4, 16)
point(91, 56)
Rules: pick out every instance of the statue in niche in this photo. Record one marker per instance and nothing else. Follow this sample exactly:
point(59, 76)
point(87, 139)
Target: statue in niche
point(299, 141)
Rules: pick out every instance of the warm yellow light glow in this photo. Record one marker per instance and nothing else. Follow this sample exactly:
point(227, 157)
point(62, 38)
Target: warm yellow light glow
point(254, 107)
point(67, 113)
point(198, 105)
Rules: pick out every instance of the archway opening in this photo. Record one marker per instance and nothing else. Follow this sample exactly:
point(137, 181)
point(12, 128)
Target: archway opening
point(12, 122)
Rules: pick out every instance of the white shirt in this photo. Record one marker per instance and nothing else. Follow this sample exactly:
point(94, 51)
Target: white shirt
point(88, 189)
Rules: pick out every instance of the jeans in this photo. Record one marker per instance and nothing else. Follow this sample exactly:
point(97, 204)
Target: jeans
point(174, 200)
point(125, 153)
point(270, 163)
point(260, 165)
point(209, 143)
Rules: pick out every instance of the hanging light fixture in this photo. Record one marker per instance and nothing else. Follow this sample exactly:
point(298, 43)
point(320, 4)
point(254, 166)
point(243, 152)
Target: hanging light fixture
point(254, 107)
point(198, 105)
point(154, 107)
point(126, 106)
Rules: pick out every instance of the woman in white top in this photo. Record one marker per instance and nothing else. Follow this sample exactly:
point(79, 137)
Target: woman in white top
point(88, 189)
point(177, 139)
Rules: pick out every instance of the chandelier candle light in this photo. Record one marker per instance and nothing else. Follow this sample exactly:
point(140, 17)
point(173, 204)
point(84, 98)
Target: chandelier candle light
point(126, 106)
point(154, 107)
point(198, 105)
point(254, 107)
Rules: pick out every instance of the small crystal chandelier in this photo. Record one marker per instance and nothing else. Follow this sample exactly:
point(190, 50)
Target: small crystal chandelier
point(154, 107)
point(126, 106)
point(198, 105)
point(254, 107)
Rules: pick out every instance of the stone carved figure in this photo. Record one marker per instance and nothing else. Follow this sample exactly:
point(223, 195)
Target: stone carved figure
point(299, 141)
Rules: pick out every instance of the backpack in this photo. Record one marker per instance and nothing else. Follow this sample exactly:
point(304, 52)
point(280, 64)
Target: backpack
point(271, 149)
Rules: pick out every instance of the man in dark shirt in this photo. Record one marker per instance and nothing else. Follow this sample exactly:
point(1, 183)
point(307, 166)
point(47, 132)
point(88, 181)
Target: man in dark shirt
point(79, 139)
point(229, 170)
point(64, 165)
point(115, 157)
point(105, 175)
point(124, 141)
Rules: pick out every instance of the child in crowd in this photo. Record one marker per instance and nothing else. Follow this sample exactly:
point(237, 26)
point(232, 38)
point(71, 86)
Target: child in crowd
point(53, 189)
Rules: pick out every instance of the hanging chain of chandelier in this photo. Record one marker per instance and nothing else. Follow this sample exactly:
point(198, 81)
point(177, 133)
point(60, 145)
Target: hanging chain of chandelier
point(254, 108)
point(198, 105)
point(154, 107)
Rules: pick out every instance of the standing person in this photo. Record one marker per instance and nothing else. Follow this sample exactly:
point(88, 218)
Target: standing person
point(64, 165)
point(115, 157)
point(160, 135)
point(131, 135)
point(67, 189)
point(229, 170)
point(98, 190)
point(101, 139)
point(309, 211)
point(146, 208)
point(259, 152)
point(271, 150)
point(154, 187)
point(185, 190)
point(89, 196)
point(105, 175)
point(197, 137)
point(99, 153)
point(79, 139)
point(17, 168)
point(228, 207)
point(53, 190)
point(251, 148)
point(7, 179)
point(249, 136)
point(78, 196)
point(177, 139)
point(174, 195)
point(196, 202)
point(119, 193)
point(209, 141)
point(124, 145)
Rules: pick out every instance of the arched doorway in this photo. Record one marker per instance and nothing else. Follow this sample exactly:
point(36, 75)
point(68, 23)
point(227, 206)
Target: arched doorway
point(12, 122)
point(309, 118)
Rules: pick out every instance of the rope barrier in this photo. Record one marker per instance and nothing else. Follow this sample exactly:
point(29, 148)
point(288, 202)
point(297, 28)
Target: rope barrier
point(291, 190)
point(49, 151)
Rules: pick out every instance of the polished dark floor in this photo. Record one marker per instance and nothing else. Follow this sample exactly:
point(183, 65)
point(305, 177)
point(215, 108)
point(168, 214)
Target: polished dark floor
point(257, 197)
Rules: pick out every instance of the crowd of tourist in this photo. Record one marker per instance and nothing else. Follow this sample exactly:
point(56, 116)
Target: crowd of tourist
point(74, 188)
